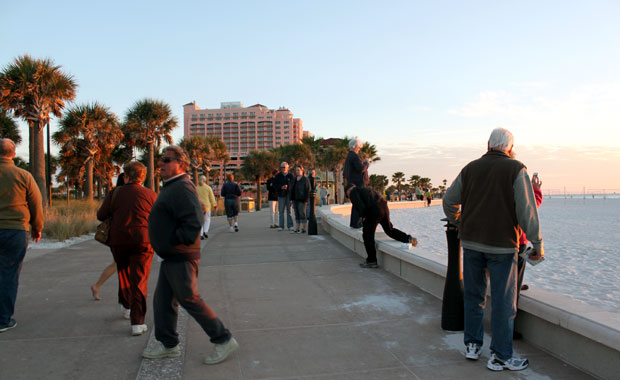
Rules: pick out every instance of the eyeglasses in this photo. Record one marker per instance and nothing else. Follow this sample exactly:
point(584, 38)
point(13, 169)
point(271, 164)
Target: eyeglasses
point(167, 159)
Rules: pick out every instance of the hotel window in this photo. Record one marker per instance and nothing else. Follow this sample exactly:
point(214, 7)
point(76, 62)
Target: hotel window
point(277, 122)
point(286, 122)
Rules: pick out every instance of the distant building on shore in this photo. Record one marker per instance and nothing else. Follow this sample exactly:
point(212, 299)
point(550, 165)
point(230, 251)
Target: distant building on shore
point(243, 129)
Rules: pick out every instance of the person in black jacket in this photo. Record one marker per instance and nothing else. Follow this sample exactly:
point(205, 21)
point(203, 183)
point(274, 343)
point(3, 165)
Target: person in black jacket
point(300, 192)
point(174, 230)
point(231, 191)
point(282, 183)
point(272, 197)
point(373, 210)
point(355, 173)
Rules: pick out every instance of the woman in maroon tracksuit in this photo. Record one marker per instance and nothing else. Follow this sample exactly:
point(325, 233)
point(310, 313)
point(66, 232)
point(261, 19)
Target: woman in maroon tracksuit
point(129, 207)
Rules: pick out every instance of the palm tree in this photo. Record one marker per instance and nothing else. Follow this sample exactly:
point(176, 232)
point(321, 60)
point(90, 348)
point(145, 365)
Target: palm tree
point(336, 156)
point(398, 179)
point(199, 151)
point(8, 127)
point(257, 165)
point(314, 144)
point(219, 153)
point(414, 180)
point(294, 154)
point(425, 182)
point(147, 123)
point(378, 182)
point(32, 89)
point(91, 132)
point(369, 152)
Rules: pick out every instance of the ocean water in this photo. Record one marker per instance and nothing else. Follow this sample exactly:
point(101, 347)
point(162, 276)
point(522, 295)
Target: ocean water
point(581, 237)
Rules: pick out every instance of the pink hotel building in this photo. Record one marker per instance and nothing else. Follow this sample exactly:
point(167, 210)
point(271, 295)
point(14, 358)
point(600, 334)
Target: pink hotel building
point(243, 129)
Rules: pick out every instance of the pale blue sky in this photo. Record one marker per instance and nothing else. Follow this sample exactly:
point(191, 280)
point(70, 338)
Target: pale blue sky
point(424, 81)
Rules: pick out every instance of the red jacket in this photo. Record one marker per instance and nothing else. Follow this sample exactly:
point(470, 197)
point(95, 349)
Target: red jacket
point(539, 198)
point(130, 212)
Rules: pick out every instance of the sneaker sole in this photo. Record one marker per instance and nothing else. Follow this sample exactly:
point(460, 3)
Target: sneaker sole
point(169, 355)
point(499, 367)
point(8, 328)
point(233, 347)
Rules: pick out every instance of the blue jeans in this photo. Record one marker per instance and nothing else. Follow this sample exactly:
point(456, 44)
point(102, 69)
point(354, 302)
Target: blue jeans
point(285, 204)
point(502, 270)
point(12, 251)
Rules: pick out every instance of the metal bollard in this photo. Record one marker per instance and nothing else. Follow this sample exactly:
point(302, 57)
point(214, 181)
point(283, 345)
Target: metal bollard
point(452, 310)
point(312, 227)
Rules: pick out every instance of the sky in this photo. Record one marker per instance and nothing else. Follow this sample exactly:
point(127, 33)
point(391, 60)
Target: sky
point(424, 81)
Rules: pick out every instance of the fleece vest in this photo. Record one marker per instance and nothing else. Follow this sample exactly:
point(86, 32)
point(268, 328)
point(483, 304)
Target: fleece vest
point(488, 213)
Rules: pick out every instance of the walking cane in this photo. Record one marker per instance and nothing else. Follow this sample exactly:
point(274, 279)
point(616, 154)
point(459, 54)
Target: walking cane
point(452, 311)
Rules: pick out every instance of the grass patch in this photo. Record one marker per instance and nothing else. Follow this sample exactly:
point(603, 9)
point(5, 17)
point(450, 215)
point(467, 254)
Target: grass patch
point(64, 221)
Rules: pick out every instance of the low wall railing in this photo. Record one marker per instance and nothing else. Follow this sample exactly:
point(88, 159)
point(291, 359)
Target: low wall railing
point(579, 334)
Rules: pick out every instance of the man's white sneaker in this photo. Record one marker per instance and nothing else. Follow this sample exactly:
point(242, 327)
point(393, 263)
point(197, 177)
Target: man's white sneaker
point(221, 352)
point(126, 312)
point(138, 329)
point(159, 351)
point(513, 364)
point(231, 229)
point(473, 351)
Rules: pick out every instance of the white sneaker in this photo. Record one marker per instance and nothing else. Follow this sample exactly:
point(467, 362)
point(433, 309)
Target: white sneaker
point(159, 351)
point(126, 312)
point(138, 329)
point(513, 364)
point(221, 352)
point(473, 351)
point(280, 229)
point(231, 229)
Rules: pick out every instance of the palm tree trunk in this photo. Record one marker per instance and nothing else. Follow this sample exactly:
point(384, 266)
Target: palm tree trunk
point(89, 179)
point(38, 163)
point(150, 183)
point(31, 146)
point(258, 194)
point(195, 172)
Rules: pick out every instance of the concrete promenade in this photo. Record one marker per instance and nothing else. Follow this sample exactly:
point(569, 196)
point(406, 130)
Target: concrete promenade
point(299, 306)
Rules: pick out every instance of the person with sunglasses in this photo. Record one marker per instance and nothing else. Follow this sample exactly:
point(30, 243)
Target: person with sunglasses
point(174, 228)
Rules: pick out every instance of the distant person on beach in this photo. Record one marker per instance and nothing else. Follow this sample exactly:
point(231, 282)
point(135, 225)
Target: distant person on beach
point(355, 173)
point(174, 228)
point(373, 210)
point(282, 183)
point(419, 193)
point(231, 191)
point(428, 194)
point(272, 198)
point(496, 201)
point(21, 210)
point(129, 207)
point(206, 197)
point(300, 192)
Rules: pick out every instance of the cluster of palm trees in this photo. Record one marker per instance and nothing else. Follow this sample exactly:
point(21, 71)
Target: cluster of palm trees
point(401, 184)
point(93, 141)
point(326, 155)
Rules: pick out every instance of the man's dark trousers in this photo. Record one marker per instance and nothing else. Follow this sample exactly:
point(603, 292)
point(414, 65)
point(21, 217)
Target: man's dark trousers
point(177, 282)
point(379, 215)
point(13, 245)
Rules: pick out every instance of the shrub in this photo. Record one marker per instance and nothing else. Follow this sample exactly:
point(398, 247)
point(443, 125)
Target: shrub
point(64, 221)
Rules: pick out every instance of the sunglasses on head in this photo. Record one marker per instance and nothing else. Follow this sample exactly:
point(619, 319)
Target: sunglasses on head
point(166, 159)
